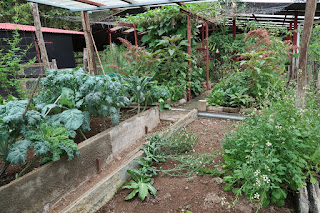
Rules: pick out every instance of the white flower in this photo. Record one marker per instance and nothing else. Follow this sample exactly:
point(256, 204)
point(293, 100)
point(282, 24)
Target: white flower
point(258, 182)
point(265, 178)
point(269, 144)
point(256, 173)
point(256, 196)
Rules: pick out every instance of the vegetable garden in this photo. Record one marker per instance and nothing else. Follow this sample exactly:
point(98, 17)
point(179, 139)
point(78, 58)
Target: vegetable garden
point(258, 164)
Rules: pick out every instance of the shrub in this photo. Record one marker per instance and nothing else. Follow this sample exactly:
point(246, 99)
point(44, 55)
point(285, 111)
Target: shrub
point(274, 150)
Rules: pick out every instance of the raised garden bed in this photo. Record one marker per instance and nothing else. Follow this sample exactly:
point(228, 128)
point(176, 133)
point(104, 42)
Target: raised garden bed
point(40, 189)
point(96, 128)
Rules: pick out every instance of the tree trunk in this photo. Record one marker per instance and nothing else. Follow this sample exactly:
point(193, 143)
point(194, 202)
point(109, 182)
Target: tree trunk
point(303, 59)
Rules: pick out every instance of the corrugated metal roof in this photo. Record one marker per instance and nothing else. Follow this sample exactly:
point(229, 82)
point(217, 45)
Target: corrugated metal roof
point(92, 5)
point(10, 26)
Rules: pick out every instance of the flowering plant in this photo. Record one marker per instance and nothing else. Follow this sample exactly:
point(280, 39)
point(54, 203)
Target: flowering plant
point(274, 150)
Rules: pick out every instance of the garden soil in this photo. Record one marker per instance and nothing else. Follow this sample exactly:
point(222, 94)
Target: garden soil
point(197, 194)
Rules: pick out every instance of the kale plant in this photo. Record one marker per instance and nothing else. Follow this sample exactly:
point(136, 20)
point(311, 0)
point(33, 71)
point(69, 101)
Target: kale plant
point(13, 125)
point(72, 96)
point(104, 97)
point(138, 87)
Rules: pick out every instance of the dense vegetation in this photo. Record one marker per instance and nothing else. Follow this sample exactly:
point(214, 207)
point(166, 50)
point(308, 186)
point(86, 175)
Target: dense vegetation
point(274, 150)
point(258, 72)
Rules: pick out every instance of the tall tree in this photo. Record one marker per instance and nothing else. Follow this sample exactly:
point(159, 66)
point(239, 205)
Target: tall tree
point(310, 10)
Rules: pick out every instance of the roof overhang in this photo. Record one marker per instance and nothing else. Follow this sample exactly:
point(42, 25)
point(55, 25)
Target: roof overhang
point(92, 5)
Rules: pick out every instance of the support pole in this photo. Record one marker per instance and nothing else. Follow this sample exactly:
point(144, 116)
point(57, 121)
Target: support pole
point(42, 46)
point(295, 42)
point(311, 6)
point(291, 59)
point(92, 66)
point(295, 28)
point(189, 53)
point(234, 28)
point(96, 49)
point(85, 60)
point(202, 34)
point(207, 55)
point(135, 35)
point(110, 41)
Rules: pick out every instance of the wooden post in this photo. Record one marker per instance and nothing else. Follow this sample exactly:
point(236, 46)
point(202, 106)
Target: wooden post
point(85, 60)
point(96, 49)
point(110, 40)
point(234, 28)
point(311, 6)
point(37, 24)
point(135, 34)
point(89, 45)
point(54, 64)
point(207, 54)
point(189, 53)
point(294, 42)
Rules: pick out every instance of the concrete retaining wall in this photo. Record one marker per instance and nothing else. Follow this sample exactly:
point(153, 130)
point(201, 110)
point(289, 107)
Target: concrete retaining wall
point(38, 190)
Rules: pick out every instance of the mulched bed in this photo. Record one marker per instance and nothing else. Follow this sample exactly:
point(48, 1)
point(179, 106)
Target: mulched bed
point(96, 127)
point(197, 194)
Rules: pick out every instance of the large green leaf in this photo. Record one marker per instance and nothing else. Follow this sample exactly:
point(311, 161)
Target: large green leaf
point(41, 147)
point(152, 190)
point(86, 121)
point(67, 97)
point(33, 117)
point(72, 118)
point(143, 190)
point(132, 194)
point(18, 152)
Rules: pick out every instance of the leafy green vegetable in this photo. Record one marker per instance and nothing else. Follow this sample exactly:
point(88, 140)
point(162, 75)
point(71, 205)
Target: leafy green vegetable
point(141, 184)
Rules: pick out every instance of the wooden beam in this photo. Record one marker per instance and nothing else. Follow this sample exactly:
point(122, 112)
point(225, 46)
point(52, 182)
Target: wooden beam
point(311, 6)
point(92, 66)
point(189, 62)
point(128, 1)
point(113, 29)
point(128, 31)
point(207, 55)
point(135, 34)
point(37, 24)
point(90, 3)
point(193, 15)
